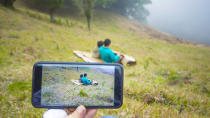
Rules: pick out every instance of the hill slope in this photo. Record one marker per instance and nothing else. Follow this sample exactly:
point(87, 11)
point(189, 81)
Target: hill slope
point(169, 77)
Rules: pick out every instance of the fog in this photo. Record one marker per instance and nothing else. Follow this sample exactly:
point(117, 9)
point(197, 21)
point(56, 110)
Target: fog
point(188, 19)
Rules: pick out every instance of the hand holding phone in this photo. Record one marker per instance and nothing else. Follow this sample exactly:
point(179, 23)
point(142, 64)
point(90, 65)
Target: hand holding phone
point(68, 85)
point(79, 112)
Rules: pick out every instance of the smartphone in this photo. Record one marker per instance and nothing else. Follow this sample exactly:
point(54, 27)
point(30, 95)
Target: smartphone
point(69, 84)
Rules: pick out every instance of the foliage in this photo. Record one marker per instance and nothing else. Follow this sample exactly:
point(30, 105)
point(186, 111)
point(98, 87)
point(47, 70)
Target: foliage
point(51, 5)
point(7, 3)
point(83, 94)
point(20, 86)
point(104, 3)
point(159, 80)
point(147, 62)
point(174, 75)
point(86, 6)
point(132, 8)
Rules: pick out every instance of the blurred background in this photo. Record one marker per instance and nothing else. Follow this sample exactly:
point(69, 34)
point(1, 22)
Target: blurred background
point(188, 19)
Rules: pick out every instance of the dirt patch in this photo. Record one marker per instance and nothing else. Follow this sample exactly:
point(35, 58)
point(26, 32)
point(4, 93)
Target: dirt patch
point(148, 99)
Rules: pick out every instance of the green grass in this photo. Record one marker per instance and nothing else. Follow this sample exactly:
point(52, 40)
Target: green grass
point(167, 77)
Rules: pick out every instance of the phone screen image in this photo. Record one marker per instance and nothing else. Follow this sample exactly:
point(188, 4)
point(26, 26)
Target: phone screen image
point(71, 85)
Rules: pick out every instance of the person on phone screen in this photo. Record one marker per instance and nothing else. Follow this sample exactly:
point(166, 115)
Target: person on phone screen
point(80, 79)
point(85, 80)
point(107, 55)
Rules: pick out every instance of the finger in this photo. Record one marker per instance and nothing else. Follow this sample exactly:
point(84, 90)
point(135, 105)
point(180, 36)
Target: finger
point(69, 110)
point(78, 113)
point(91, 113)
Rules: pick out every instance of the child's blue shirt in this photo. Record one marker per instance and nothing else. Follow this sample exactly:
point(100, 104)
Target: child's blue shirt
point(107, 55)
point(85, 81)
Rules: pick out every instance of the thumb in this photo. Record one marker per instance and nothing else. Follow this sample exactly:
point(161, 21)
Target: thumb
point(78, 113)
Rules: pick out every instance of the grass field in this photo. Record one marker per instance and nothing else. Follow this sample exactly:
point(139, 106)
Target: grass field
point(171, 79)
point(58, 88)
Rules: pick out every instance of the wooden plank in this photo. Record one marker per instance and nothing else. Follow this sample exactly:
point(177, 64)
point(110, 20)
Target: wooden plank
point(127, 59)
point(77, 82)
point(87, 57)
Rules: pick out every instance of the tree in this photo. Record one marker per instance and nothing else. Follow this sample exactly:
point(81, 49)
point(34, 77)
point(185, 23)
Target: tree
point(104, 3)
point(131, 8)
point(86, 6)
point(51, 5)
point(7, 3)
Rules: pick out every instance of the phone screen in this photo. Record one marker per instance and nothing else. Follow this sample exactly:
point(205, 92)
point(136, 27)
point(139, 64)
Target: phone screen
point(72, 85)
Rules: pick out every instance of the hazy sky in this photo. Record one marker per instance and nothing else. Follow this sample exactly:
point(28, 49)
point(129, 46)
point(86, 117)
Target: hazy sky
point(189, 19)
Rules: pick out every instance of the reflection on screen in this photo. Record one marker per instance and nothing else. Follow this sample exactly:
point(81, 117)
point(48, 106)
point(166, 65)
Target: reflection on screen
point(70, 85)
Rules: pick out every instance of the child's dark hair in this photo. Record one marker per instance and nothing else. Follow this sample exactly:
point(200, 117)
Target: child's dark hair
point(107, 42)
point(85, 75)
point(100, 43)
point(81, 75)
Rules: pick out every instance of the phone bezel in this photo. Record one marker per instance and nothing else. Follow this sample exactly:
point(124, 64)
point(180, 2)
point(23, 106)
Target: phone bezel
point(36, 85)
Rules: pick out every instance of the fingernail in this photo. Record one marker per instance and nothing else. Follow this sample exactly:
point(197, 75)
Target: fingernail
point(81, 109)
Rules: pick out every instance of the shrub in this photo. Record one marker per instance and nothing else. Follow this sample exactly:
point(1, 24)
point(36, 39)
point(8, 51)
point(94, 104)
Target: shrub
point(7, 3)
point(83, 94)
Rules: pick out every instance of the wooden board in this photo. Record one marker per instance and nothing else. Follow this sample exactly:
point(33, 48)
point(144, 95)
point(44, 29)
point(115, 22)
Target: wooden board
point(77, 82)
point(87, 57)
point(127, 59)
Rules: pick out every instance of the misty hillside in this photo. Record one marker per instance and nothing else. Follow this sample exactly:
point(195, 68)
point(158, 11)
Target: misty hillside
point(190, 21)
point(171, 78)
point(135, 27)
